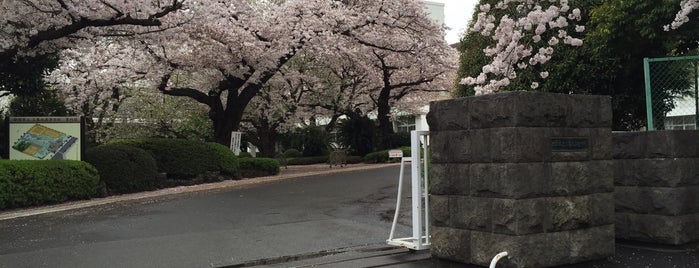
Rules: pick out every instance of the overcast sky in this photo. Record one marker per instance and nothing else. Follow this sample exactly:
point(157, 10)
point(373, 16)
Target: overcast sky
point(456, 16)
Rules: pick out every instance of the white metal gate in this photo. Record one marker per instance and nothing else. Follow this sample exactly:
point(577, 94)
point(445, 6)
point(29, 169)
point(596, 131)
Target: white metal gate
point(420, 240)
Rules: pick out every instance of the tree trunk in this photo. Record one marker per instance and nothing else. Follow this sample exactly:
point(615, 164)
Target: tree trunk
point(385, 127)
point(268, 142)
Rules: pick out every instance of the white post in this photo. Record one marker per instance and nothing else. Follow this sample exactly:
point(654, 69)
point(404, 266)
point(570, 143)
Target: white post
point(416, 187)
point(420, 216)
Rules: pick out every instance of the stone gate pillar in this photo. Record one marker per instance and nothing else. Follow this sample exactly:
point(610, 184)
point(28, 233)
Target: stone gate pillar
point(657, 186)
point(523, 172)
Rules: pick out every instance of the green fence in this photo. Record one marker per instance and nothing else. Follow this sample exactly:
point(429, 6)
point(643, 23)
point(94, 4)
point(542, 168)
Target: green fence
point(671, 92)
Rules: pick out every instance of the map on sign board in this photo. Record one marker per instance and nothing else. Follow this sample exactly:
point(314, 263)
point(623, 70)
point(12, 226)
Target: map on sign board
point(43, 142)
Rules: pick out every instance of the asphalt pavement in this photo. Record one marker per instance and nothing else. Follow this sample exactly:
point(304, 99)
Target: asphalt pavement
point(298, 219)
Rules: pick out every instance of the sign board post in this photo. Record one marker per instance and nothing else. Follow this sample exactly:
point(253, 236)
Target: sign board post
point(395, 154)
point(236, 138)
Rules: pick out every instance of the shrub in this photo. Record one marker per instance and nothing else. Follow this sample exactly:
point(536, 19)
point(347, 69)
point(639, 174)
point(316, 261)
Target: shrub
point(354, 159)
point(258, 167)
point(228, 161)
point(315, 141)
point(400, 139)
point(244, 155)
point(357, 134)
point(382, 156)
point(292, 153)
point(307, 160)
point(30, 182)
point(124, 169)
point(376, 157)
point(179, 158)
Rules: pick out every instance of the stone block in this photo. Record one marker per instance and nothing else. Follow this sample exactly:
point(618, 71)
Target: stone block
point(672, 143)
point(449, 115)
point(519, 216)
point(508, 180)
point(451, 244)
point(449, 179)
point(580, 178)
point(656, 144)
point(519, 145)
point(578, 212)
point(671, 230)
point(521, 109)
point(661, 172)
point(531, 215)
point(472, 213)
point(628, 145)
point(440, 210)
point(544, 249)
point(452, 147)
point(657, 200)
point(512, 145)
point(525, 180)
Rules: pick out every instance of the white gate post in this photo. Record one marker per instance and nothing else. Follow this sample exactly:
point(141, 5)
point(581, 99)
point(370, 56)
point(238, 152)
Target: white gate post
point(420, 199)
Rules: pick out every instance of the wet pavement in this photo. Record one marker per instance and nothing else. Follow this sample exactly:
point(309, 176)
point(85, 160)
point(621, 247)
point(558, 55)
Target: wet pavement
point(329, 219)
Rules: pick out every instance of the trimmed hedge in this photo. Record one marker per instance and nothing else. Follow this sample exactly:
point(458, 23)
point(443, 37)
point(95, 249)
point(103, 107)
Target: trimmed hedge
point(292, 153)
point(32, 182)
point(229, 162)
point(258, 167)
point(123, 168)
point(382, 156)
point(307, 160)
point(354, 159)
point(179, 158)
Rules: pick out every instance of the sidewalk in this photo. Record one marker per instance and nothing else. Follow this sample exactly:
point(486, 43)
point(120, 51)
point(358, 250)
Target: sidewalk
point(291, 172)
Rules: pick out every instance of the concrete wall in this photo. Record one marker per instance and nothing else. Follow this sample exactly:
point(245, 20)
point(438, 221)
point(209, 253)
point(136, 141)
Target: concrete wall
point(523, 172)
point(656, 182)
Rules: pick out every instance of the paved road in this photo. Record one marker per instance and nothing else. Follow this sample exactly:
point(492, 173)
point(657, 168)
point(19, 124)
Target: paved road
point(338, 220)
point(301, 217)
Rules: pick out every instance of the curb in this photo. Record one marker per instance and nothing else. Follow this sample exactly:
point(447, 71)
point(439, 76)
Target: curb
point(224, 185)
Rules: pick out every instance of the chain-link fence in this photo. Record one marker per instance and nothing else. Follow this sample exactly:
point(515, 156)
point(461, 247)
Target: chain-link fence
point(672, 86)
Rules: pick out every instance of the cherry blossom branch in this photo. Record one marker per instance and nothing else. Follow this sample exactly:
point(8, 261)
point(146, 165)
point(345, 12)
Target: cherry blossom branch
point(518, 39)
point(682, 16)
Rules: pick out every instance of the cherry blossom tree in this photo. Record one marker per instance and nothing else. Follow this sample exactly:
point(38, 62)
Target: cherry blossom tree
point(401, 54)
point(223, 53)
point(618, 35)
point(37, 26)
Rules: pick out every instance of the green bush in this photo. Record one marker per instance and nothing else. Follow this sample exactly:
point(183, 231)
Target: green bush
point(307, 160)
point(400, 139)
point(354, 159)
point(357, 134)
point(179, 158)
point(124, 169)
point(228, 161)
point(29, 182)
point(292, 153)
point(376, 157)
point(244, 155)
point(315, 141)
point(258, 167)
point(382, 156)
